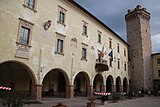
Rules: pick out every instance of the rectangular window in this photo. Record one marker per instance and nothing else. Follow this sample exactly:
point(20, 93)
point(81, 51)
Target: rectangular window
point(84, 52)
point(124, 52)
point(158, 73)
point(84, 29)
point(118, 48)
point(24, 35)
point(118, 64)
point(110, 43)
point(60, 38)
point(59, 46)
point(30, 4)
point(110, 62)
point(125, 66)
point(25, 31)
point(61, 17)
point(99, 38)
point(158, 60)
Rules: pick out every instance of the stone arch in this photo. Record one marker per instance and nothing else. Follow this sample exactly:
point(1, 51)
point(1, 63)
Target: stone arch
point(109, 83)
point(118, 84)
point(81, 83)
point(125, 84)
point(56, 79)
point(17, 75)
point(98, 83)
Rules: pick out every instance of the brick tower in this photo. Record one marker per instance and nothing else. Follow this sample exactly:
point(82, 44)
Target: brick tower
point(139, 39)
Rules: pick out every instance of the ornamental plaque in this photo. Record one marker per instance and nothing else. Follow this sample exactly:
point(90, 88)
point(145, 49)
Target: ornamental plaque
point(22, 52)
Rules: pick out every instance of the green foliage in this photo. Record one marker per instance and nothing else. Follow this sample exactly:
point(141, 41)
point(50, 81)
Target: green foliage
point(12, 98)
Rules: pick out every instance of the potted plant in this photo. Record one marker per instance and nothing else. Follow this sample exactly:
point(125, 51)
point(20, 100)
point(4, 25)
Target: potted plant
point(91, 103)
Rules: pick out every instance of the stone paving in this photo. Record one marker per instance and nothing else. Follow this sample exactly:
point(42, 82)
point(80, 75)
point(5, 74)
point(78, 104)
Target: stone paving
point(82, 102)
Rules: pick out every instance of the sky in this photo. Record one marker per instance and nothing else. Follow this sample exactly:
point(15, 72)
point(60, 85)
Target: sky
point(112, 13)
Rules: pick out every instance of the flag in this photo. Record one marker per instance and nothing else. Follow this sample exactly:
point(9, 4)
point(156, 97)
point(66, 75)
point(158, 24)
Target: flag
point(102, 52)
point(111, 55)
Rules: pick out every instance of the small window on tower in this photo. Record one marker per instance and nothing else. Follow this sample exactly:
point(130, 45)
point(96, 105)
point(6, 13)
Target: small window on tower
point(158, 60)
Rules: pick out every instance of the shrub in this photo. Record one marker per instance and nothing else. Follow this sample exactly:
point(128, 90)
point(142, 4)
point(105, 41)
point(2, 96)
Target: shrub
point(12, 98)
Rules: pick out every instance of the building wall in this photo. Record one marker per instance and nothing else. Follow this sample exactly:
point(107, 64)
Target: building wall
point(156, 66)
point(43, 42)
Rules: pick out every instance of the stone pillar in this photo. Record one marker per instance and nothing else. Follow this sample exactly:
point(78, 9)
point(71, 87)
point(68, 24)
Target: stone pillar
point(121, 88)
point(103, 87)
point(69, 91)
point(127, 90)
point(113, 88)
point(89, 90)
point(36, 92)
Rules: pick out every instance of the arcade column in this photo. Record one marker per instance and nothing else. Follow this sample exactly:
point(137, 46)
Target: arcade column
point(113, 88)
point(36, 92)
point(89, 90)
point(69, 91)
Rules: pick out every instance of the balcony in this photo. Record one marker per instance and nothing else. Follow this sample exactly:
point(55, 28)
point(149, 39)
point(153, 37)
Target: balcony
point(101, 65)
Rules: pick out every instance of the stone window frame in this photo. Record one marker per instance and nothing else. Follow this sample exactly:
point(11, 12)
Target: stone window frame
point(59, 36)
point(84, 28)
point(28, 25)
point(27, 6)
point(64, 11)
point(99, 37)
point(110, 43)
point(84, 46)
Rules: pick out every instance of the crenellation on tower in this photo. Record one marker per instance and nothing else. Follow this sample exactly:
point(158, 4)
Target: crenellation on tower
point(137, 12)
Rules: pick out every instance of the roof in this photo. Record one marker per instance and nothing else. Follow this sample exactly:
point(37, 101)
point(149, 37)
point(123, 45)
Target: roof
point(155, 54)
point(91, 15)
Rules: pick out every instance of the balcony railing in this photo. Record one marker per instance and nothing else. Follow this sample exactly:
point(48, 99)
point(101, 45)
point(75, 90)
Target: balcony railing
point(101, 65)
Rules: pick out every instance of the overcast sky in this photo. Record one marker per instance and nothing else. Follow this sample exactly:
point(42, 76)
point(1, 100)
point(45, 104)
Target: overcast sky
point(112, 13)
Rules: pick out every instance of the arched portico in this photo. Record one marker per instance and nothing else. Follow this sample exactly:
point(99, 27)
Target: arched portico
point(56, 79)
point(109, 84)
point(18, 76)
point(118, 84)
point(98, 85)
point(82, 84)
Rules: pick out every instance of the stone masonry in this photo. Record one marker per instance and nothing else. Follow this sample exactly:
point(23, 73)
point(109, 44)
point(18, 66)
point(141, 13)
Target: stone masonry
point(139, 39)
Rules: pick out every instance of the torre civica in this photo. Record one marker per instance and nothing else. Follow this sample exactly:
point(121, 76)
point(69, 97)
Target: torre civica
point(59, 45)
